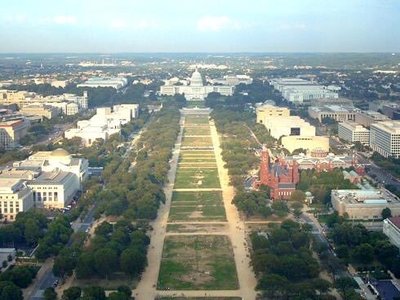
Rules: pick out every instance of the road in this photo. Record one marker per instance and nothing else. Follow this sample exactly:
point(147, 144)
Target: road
point(47, 279)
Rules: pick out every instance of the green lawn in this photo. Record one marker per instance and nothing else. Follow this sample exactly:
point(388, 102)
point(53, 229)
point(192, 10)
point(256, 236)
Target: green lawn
point(197, 262)
point(192, 104)
point(196, 141)
point(197, 213)
point(197, 178)
point(202, 298)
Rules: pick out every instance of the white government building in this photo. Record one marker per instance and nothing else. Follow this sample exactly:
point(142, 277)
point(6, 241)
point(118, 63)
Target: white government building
point(195, 90)
point(300, 91)
point(48, 179)
point(104, 123)
point(113, 82)
point(385, 138)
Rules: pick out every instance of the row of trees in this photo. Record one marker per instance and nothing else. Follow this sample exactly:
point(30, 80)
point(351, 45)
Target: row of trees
point(237, 144)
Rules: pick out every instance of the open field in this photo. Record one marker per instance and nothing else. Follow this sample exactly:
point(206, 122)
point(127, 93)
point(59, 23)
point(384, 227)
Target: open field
point(197, 213)
point(197, 130)
point(194, 228)
point(196, 141)
point(204, 198)
point(197, 178)
point(197, 262)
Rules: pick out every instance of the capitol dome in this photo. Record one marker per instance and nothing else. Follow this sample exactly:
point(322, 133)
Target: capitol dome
point(61, 155)
point(196, 79)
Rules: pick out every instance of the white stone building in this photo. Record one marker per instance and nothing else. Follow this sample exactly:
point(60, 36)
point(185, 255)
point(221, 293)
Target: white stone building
point(54, 189)
point(113, 82)
point(15, 197)
point(391, 228)
point(195, 90)
point(385, 138)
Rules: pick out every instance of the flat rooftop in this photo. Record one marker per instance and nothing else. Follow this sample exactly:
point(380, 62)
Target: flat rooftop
point(392, 126)
point(371, 197)
point(56, 177)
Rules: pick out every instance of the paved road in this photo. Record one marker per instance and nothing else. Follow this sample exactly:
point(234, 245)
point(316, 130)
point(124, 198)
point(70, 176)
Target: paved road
point(48, 278)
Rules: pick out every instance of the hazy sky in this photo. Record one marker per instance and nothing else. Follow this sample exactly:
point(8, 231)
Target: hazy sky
point(199, 25)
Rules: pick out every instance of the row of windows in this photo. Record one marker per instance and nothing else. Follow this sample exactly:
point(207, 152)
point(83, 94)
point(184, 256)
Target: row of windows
point(10, 204)
point(11, 210)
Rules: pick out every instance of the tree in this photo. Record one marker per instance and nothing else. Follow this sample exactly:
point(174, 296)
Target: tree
point(106, 261)
point(9, 291)
point(50, 294)
point(298, 196)
point(72, 293)
point(94, 293)
point(363, 254)
point(386, 213)
point(273, 285)
point(132, 261)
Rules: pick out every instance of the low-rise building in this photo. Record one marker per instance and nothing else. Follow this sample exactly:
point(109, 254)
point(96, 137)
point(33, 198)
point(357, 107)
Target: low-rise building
point(385, 138)
point(364, 204)
point(15, 197)
point(113, 82)
point(12, 131)
point(42, 110)
point(308, 143)
point(300, 91)
point(391, 228)
point(339, 113)
point(352, 132)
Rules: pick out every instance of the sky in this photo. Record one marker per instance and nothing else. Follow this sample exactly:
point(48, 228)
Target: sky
point(110, 26)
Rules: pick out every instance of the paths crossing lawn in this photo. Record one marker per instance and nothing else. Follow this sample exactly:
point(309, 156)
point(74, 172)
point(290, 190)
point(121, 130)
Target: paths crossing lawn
point(197, 206)
point(197, 178)
point(196, 263)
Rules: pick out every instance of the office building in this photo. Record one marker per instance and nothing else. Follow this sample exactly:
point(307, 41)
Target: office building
point(195, 90)
point(268, 111)
point(15, 197)
point(12, 131)
point(364, 204)
point(113, 82)
point(303, 92)
point(352, 132)
point(366, 118)
point(339, 113)
point(391, 110)
point(391, 228)
point(385, 138)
